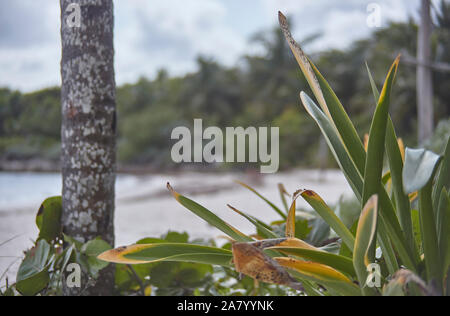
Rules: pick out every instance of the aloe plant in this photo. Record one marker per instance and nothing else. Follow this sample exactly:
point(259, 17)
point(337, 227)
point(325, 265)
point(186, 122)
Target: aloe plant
point(410, 246)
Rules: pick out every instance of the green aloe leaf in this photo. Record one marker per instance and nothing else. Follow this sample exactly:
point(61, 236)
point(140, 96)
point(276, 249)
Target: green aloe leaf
point(420, 165)
point(263, 229)
point(329, 217)
point(377, 136)
point(443, 179)
point(387, 248)
point(209, 216)
point(337, 262)
point(283, 194)
point(273, 206)
point(394, 154)
point(365, 236)
point(327, 100)
point(443, 231)
point(334, 142)
point(322, 274)
point(170, 252)
point(428, 220)
point(336, 119)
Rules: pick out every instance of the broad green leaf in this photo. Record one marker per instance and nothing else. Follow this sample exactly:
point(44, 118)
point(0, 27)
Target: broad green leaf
point(209, 217)
point(321, 274)
point(273, 206)
point(171, 252)
point(263, 229)
point(365, 236)
point(336, 146)
point(328, 216)
point(420, 165)
point(337, 262)
point(33, 275)
point(48, 219)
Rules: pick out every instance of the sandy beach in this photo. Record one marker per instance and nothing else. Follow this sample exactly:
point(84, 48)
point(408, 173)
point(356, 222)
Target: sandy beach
point(144, 208)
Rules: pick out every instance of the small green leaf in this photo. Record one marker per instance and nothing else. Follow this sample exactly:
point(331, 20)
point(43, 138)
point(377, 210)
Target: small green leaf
point(92, 249)
point(33, 275)
point(48, 219)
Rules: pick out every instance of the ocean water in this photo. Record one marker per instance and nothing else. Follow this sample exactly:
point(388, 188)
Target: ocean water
point(19, 190)
point(22, 190)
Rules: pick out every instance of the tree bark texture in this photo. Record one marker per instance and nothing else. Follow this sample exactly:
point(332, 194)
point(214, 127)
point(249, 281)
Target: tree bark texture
point(88, 129)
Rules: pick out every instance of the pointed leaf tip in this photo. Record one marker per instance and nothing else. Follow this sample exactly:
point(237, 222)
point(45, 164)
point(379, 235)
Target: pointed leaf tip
point(281, 18)
point(172, 191)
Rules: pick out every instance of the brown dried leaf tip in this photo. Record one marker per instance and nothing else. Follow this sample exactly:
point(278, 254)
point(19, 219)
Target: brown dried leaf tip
point(251, 261)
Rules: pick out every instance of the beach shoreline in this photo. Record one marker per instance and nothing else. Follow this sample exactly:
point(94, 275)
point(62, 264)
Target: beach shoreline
point(144, 207)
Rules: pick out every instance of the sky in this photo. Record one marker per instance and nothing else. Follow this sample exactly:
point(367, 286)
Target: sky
point(171, 34)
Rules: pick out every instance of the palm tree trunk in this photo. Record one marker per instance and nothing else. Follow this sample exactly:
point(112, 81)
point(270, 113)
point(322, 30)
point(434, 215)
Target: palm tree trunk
point(424, 75)
point(88, 130)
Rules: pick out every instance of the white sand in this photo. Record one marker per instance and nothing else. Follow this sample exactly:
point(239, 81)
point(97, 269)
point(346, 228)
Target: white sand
point(144, 208)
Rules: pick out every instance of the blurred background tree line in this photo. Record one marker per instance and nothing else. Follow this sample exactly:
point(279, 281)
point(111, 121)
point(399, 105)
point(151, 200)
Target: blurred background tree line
point(261, 91)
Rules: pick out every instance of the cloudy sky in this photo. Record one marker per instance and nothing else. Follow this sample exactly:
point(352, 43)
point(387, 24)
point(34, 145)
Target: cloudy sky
point(155, 34)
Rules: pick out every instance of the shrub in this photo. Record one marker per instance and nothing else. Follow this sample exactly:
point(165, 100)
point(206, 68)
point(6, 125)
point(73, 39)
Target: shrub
point(410, 247)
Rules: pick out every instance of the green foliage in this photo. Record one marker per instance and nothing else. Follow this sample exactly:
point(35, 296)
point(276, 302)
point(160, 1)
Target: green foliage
point(48, 219)
point(387, 221)
point(43, 268)
point(263, 90)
